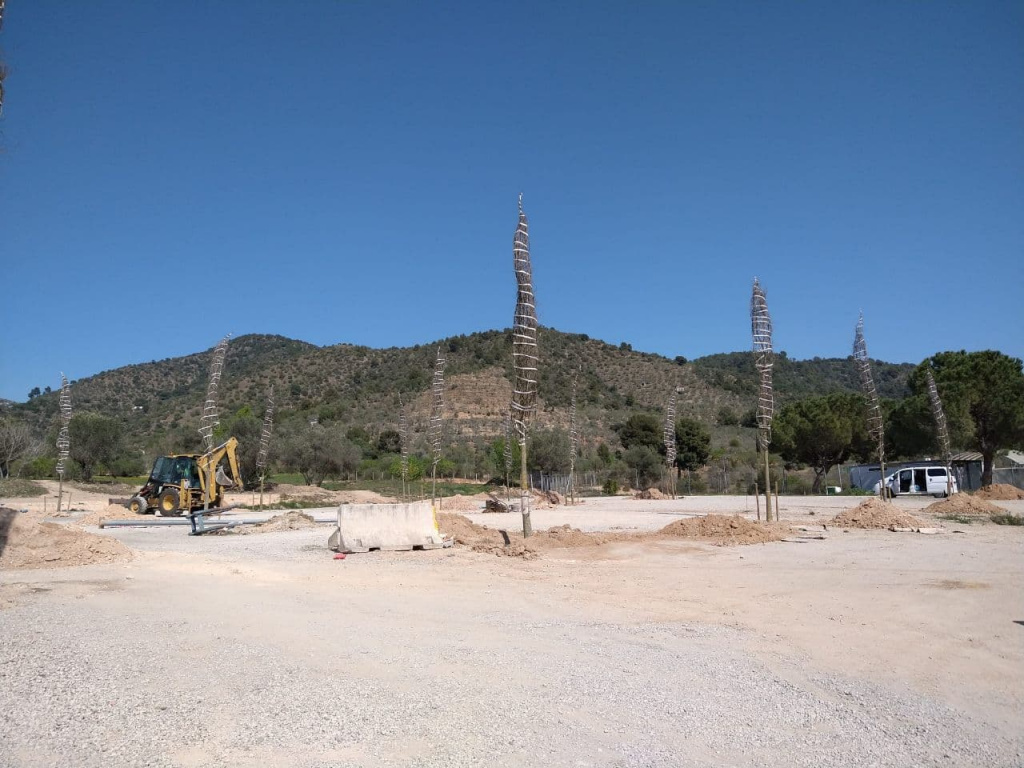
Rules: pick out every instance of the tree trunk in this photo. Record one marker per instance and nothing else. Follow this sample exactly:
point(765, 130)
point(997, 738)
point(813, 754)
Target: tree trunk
point(986, 468)
point(819, 475)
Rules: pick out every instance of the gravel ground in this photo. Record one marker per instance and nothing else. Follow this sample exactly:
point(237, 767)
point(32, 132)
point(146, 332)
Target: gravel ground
point(260, 650)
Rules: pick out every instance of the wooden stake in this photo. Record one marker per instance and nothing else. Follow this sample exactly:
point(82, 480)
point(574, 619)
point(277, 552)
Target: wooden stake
point(757, 500)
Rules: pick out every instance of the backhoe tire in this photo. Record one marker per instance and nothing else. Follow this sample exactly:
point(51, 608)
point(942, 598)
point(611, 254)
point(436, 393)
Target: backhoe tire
point(169, 503)
point(137, 505)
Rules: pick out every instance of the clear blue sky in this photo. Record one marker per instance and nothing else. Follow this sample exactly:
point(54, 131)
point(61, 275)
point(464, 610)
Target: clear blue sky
point(348, 172)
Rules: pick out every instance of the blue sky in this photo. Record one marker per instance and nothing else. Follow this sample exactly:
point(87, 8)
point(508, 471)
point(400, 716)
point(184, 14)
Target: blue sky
point(348, 172)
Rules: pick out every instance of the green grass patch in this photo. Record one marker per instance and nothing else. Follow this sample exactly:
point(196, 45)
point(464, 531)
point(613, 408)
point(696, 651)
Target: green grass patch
point(962, 519)
point(289, 478)
point(1007, 518)
point(421, 488)
point(12, 487)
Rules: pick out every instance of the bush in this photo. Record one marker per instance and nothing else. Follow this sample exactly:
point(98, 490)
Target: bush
point(13, 487)
point(1007, 518)
point(610, 487)
point(727, 417)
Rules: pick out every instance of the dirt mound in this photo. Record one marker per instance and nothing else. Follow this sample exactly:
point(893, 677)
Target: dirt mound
point(463, 503)
point(964, 504)
point(510, 543)
point(875, 513)
point(1000, 492)
point(362, 497)
point(465, 531)
point(723, 530)
point(112, 512)
point(289, 521)
point(27, 542)
point(650, 493)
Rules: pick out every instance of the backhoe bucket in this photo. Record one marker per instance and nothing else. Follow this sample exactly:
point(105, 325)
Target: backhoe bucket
point(362, 527)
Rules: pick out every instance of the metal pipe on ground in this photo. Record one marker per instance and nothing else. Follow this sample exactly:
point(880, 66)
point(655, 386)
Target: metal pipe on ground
point(185, 521)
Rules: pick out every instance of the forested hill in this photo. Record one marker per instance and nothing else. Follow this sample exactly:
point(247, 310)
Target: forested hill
point(160, 402)
point(796, 379)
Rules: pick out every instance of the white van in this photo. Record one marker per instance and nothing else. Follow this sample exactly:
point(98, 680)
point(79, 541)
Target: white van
point(919, 481)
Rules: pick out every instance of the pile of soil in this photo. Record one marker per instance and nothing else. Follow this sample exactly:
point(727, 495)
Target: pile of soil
point(510, 543)
point(463, 503)
point(723, 530)
point(292, 520)
point(465, 531)
point(875, 513)
point(27, 542)
point(112, 512)
point(1000, 492)
point(964, 504)
point(650, 493)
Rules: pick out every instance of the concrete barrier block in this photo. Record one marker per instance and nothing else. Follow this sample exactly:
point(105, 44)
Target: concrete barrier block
point(362, 527)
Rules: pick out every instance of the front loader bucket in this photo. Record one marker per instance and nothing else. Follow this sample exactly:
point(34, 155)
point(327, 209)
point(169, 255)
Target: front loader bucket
point(362, 527)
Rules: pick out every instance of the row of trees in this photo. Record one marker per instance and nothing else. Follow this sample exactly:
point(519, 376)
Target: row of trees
point(982, 394)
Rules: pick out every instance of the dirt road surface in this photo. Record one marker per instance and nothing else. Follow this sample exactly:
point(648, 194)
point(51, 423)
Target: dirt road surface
point(865, 648)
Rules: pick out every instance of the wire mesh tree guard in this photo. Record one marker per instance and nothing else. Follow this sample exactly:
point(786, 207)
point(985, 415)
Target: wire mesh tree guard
point(403, 435)
point(574, 439)
point(876, 429)
point(265, 434)
point(941, 429)
point(211, 419)
point(764, 361)
point(436, 421)
point(669, 436)
point(63, 437)
point(525, 356)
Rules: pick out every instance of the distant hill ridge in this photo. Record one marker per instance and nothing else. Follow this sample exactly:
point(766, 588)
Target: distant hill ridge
point(360, 385)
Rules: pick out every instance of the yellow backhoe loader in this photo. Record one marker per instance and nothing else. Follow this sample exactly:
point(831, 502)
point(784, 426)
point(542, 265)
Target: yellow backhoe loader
point(187, 482)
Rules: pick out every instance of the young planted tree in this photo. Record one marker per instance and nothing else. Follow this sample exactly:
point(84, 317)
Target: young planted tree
point(525, 357)
point(574, 441)
point(670, 440)
point(63, 437)
point(764, 360)
point(941, 430)
point(265, 435)
point(436, 421)
point(211, 419)
point(876, 428)
point(403, 432)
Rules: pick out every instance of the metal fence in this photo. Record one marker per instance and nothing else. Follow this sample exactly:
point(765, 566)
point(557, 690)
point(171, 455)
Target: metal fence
point(1009, 475)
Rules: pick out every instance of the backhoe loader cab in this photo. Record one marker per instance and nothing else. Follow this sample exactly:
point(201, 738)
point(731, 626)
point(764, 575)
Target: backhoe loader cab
point(187, 482)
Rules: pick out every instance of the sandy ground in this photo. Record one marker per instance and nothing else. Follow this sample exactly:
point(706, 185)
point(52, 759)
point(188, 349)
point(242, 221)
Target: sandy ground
point(864, 648)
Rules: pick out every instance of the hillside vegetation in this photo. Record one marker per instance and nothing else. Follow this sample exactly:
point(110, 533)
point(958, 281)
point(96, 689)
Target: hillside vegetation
point(159, 403)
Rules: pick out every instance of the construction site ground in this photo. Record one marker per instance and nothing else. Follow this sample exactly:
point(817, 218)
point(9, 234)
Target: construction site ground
point(865, 647)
